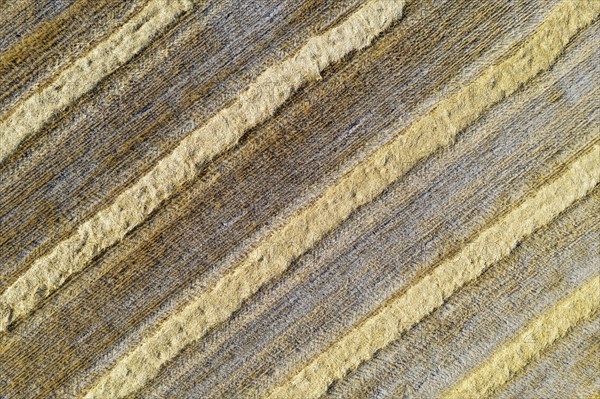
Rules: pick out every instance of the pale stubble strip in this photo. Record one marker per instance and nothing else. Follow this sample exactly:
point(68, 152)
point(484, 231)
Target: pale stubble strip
point(358, 187)
point(83, 75)
point(540, 334)
point(253, 106)
point(429, 293)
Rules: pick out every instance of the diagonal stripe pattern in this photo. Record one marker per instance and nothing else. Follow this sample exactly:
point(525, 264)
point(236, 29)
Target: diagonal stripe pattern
point(402, 266)
point(85, 73)
point(431, 292)
point(221, 132)
point(358, 187)
point(513, 356)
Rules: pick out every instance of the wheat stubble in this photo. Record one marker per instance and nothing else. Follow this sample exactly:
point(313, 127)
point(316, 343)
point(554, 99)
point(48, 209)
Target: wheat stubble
point(355, 189)
point(107, 142)
point(32, 62)
point(141, 269)
point(456, 337)
point(553, 324)
point(166, 248)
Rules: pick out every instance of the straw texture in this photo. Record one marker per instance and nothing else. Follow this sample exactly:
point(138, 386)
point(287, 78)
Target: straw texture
point(299, 199)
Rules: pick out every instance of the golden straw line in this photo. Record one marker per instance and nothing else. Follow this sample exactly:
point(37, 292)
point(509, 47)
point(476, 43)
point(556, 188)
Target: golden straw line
point(254, 105)
point(358, 187)
point(419, 300)
point(84, 74)
point(514, 355)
